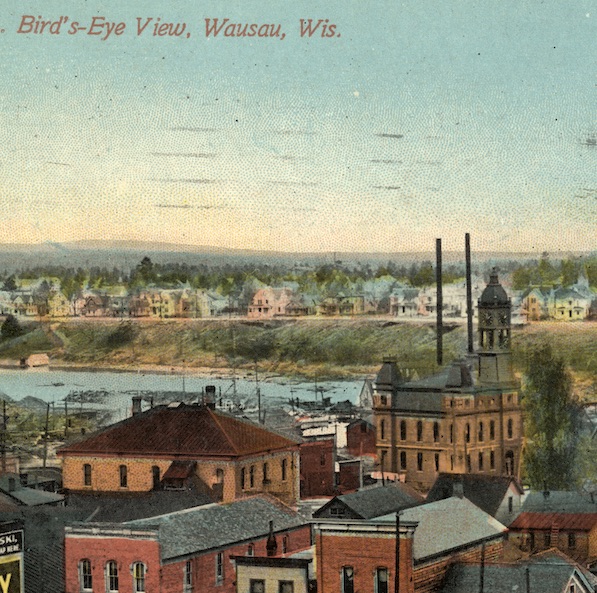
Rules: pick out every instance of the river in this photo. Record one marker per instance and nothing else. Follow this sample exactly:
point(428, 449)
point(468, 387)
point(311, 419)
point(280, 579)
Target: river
point(54, 386)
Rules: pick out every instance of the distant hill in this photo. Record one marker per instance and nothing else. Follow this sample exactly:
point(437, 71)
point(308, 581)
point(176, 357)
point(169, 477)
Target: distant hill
point(126, 254)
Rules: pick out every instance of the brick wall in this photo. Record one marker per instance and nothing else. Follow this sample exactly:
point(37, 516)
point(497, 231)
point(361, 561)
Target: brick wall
point(429, 577)
point(100, 550)
point(317, 468)
point(365, 553)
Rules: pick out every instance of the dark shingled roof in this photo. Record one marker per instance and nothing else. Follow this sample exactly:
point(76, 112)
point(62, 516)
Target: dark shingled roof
point(559, 501)
point(220, 525)
point(388, 375)
point(487, 492)
point(186, 430)
point(128, 506)
point(547, 574)
point(548, 521)
point(374, 502)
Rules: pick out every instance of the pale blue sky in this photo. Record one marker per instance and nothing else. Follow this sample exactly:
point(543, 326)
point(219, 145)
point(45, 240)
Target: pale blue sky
point(423, 119)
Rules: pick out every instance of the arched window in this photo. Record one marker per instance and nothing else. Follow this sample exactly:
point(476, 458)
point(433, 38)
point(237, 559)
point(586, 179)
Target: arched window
point(251, 550)
point(347, 579)
point(435, 432)
point(85, 576)
point(403, 430)
point(481, 431)
point(87, 474)
point(510, 428)
point(419, 431)
point(123, 476)
point(381, 580)
point(139, 577)
point(111, 576)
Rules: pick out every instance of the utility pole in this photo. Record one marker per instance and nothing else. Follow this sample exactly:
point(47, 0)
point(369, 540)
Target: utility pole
point(46, 434)
point(4, 431)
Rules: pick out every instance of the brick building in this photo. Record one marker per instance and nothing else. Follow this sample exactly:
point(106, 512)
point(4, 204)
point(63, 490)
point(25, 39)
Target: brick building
point(363, 555)
point(360, 438)
point(168, 447)
point(558, 519)
point(466, 419)
point(317, 460)
point(180, 552)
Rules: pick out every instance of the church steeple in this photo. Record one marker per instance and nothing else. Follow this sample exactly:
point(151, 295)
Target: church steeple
point(494, 329)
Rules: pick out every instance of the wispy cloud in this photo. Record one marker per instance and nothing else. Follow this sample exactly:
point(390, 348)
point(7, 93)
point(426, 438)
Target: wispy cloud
point(189, 206)
point(590, 140)
point(388, 135)
point(586, 192)
point(194, 155)
point(197, 181)
point(294, 183)
point(386, 161)
point(58, 164)
point(387, 187)
point(192, 129)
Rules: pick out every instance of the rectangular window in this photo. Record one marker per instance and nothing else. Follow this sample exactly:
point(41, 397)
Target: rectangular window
point(219, 568)
point(256, 586)
point(381, 580)
point(572, 540)
point(492, 430)
point(188, 575)
point(112, 576)
point(285, 587)
point(480, 461)
point(437, 462)
point(491, 460)
point(510, 504)
point(243, 478)
point(420, 462)
point(547, 540)
point(123, 476)
point(252, 477)
point(87, 474)
point(265, 473)
point(284, 469)
point(347, 579)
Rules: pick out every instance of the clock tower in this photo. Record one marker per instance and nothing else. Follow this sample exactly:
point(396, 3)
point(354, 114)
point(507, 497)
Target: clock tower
point(494, 327)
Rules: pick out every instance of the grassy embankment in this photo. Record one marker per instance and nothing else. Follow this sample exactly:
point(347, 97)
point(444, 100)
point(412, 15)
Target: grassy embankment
point(339, 348)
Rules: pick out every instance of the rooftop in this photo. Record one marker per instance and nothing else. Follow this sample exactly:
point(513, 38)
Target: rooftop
point(218, 525)
point(462, 524)
point(190, 431)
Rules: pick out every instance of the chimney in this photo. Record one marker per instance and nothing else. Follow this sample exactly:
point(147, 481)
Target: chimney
point(458, 488)
point(440, 301)
point(210, 396)
point(137, 404)
point(12, 485)
point(469, 293)
point(272, 545)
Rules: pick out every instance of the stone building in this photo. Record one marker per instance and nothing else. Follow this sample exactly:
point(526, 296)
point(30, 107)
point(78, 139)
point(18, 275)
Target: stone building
point(169, 447)
point(465, 419)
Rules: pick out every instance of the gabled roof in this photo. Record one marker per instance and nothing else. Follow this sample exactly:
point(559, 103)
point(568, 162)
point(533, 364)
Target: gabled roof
point(560, 501)
point(219, 525)
point(190, 431)
point(373, 502)
point(462, 524)
point(548, 521)
point(548, 572)
point(487, 492)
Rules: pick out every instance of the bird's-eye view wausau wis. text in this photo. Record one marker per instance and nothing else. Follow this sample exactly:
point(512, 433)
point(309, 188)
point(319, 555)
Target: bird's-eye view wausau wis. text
point(298, 297)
